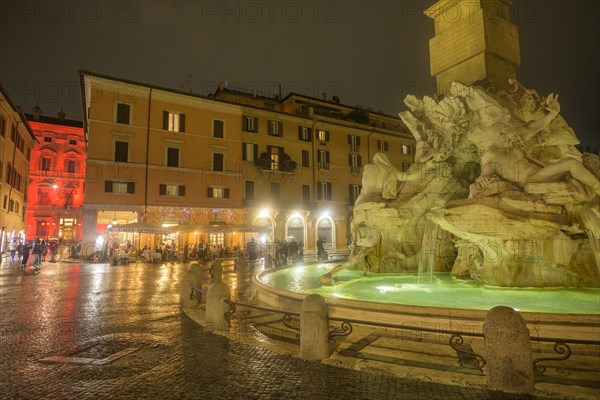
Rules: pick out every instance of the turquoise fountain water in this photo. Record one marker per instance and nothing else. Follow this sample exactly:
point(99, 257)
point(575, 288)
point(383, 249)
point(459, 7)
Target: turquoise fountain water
point(443, 291)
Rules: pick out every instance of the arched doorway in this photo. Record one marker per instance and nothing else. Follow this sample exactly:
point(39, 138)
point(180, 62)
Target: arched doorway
point(326, 229)
point(296, 228)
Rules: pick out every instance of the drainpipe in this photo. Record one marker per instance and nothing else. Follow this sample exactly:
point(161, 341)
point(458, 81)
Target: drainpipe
point(147, 151)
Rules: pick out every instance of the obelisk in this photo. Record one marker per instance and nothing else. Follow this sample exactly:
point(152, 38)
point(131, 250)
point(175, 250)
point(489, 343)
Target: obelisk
point(474, 42)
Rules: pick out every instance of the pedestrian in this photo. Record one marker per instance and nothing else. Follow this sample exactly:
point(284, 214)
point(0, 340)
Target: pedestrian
point(172, 252)
point(186, 249)
point(321, 253)
point(25, 253)
point(12, 248)
point(37, 253)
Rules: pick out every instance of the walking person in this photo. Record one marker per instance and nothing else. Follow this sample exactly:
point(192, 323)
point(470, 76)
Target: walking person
point(25, 253)
point(37, 253)
point(12, 248)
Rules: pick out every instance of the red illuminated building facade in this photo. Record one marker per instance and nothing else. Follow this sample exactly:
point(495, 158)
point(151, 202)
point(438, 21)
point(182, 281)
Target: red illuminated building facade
point(57, 176)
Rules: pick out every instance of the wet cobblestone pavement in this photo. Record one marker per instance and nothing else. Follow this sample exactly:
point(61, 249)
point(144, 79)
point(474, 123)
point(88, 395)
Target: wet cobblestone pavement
point(94, 331)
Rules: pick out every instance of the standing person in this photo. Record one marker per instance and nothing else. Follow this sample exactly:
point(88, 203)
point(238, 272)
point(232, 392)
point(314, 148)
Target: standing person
point(186, 249)
point(37, 253)
point(252, 249)
point(172, 252)
point(321, 253)
point(25, 253)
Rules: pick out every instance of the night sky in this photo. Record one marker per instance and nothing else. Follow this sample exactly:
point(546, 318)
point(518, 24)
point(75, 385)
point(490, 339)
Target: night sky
point(368, 53)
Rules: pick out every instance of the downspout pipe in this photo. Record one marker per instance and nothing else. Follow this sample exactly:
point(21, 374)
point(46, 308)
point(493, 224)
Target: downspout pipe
point(147, 153)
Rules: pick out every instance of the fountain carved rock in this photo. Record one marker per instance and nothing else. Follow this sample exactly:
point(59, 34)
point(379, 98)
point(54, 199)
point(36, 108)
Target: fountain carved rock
point(497, 193)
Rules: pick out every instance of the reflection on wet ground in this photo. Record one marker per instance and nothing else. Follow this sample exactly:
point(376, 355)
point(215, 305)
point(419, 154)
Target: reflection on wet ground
point(92, 331)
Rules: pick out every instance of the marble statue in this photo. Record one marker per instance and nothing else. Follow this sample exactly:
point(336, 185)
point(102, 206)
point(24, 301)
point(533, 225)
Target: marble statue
point(497, 193)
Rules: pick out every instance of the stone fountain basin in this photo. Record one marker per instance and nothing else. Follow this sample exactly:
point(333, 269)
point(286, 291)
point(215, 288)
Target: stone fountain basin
point(412, 317)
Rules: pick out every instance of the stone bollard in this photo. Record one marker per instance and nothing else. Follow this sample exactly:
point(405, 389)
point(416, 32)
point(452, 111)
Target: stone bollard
point(216, 308)
point(314, 328)
point(217, 271)
point(509, 367)
point(185, 289)
point(268, 261)
point(197, 268)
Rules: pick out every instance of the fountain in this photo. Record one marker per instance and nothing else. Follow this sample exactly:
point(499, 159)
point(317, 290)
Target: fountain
point(498, 205)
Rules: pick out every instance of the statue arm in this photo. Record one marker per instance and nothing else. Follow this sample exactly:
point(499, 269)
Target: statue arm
point(533, 127)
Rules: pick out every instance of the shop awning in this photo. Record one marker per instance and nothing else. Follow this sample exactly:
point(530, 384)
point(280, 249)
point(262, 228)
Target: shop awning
point(139, 227)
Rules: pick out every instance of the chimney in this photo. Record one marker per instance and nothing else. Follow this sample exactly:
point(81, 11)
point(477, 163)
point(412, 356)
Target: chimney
point(61, 115)
point(221, 85)
point(37, 112)
point(324, 95)
point(254, 92)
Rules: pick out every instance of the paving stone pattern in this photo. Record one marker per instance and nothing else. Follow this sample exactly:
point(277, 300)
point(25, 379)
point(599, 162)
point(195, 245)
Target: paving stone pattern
point(56, 327)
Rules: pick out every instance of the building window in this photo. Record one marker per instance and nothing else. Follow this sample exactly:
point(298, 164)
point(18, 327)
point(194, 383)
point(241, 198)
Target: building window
point(218, 128)
point(405, 149)
point(216, 239)
point(11, 205)
point(274, 191)
point(43, 197)
point(274, 156)
point(323, 159)
point(304, 134)
point(5, 202)
point(70, 166)
point(355, 163)
point(2, 126)
point(174, 122)
point(73, 141)
point(353, 192)
point(218, 193)
point(322, 135)
point(171, 190)
point(382, 145)
point(275, 128)
point(45, 163)
point(47, 139)
point(121, 151)
point(249, 190)
point(172, 157)
point(305, 158)
point(123, 113)
point(13, 133)
point(119, 187)
point(250, 124)
point(324, 191)
point(305, 193)
point(218, 162)
point(354, 142)
point(249, 152)
point(16, 208)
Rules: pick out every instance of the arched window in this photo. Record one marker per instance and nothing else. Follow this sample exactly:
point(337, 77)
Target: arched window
point(325, 229)
point(295, 228)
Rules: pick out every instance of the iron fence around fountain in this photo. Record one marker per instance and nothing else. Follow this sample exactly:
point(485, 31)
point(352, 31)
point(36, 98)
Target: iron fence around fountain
point(196, 293)
point(287, 319)
point(468, 358)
